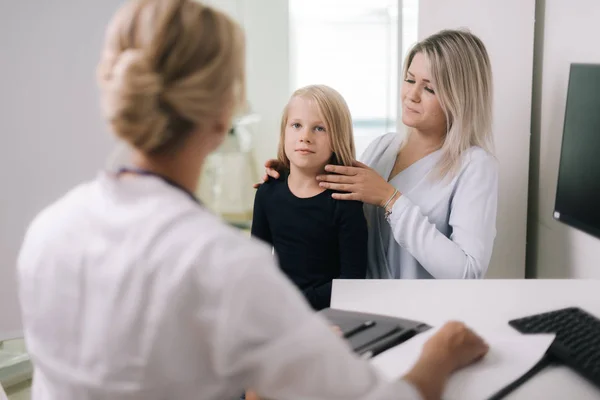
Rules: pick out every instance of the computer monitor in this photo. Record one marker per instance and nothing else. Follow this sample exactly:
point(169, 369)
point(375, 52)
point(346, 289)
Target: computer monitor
point(577, 202)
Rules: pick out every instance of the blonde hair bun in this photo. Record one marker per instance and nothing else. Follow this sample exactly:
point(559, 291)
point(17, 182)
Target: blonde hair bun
point(131, 101)
point(169, 67)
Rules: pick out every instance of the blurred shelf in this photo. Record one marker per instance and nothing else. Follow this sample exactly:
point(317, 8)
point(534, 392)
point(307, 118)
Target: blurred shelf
point(15, 368)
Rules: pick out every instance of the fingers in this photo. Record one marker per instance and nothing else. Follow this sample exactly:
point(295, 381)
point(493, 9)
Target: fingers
point(264, 179)
point(469, 336)
point(346, 196)
point(343, 187)
point(463, 333)
point(272, 173)
point(483, 348)
point(271, 167)
point(456, 346)
point(476, 344)
point(473, 345)
point(272, 163)
point(336, 178)
point(339, 169)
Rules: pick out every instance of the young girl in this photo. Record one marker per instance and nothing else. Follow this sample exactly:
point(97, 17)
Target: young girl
point(316, 238)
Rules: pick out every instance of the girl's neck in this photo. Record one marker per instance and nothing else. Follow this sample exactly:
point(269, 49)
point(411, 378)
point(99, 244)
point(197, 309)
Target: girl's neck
point(303, 183)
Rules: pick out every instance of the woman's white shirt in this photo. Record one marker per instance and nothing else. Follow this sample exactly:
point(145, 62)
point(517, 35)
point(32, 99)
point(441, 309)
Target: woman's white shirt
point(438, 228)
point(131, 290)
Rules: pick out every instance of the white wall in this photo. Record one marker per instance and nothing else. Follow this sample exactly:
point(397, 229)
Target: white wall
point(266, 24)
point(268, 69)
point(567, 31)
point(52, 133)
point(506, 28)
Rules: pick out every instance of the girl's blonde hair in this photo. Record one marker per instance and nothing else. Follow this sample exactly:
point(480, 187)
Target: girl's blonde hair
point(461, 69)
point(336, 117)
point(167, 67)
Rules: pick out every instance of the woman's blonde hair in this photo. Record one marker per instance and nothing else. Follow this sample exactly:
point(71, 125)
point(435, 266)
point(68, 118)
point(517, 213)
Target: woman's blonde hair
point(168, 66)
point(336, 116)
point(461, 69)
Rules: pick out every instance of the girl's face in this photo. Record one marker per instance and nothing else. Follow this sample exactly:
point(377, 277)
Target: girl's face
point(307, 143)
point(421, 108)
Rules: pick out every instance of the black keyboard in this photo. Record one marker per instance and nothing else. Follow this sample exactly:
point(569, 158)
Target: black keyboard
point(577, 342)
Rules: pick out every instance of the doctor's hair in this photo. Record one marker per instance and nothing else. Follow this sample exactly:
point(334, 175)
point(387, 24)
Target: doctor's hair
point(461, 69)
point(336, 116)
point(167, 67)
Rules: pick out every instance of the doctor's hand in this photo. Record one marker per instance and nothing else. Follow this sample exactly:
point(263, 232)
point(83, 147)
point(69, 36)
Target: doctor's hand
point(453, 347)
point(273, 169)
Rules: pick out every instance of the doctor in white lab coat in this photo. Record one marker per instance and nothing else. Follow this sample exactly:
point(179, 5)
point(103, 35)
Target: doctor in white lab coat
point(131, 289)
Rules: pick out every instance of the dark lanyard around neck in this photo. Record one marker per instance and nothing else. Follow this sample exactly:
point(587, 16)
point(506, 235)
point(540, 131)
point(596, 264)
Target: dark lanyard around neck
point(140, 171)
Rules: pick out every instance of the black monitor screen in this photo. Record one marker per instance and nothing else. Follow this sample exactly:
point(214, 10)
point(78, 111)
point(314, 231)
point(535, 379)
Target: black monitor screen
point(578, 192)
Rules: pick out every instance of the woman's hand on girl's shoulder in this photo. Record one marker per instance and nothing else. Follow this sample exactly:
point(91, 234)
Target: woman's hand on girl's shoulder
point(273, 169)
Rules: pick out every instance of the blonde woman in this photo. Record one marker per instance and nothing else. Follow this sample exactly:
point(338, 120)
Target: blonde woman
point(316, 238)
point(432, 195)
point(131, 290)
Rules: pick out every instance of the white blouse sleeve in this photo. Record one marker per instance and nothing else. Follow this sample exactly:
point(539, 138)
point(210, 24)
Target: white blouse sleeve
point(267, 339)
point(467, 252)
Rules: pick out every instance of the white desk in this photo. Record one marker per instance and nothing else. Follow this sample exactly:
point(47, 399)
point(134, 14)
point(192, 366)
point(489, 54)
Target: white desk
point(485, 305)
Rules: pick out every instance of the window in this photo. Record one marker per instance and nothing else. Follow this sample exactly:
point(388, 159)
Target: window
point(352, 46)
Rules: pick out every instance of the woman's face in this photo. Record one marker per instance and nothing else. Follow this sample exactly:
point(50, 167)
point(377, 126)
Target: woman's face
point(421, 108)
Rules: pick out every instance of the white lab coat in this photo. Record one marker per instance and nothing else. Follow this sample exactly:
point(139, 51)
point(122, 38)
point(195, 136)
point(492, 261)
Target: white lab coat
point(130, 290)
